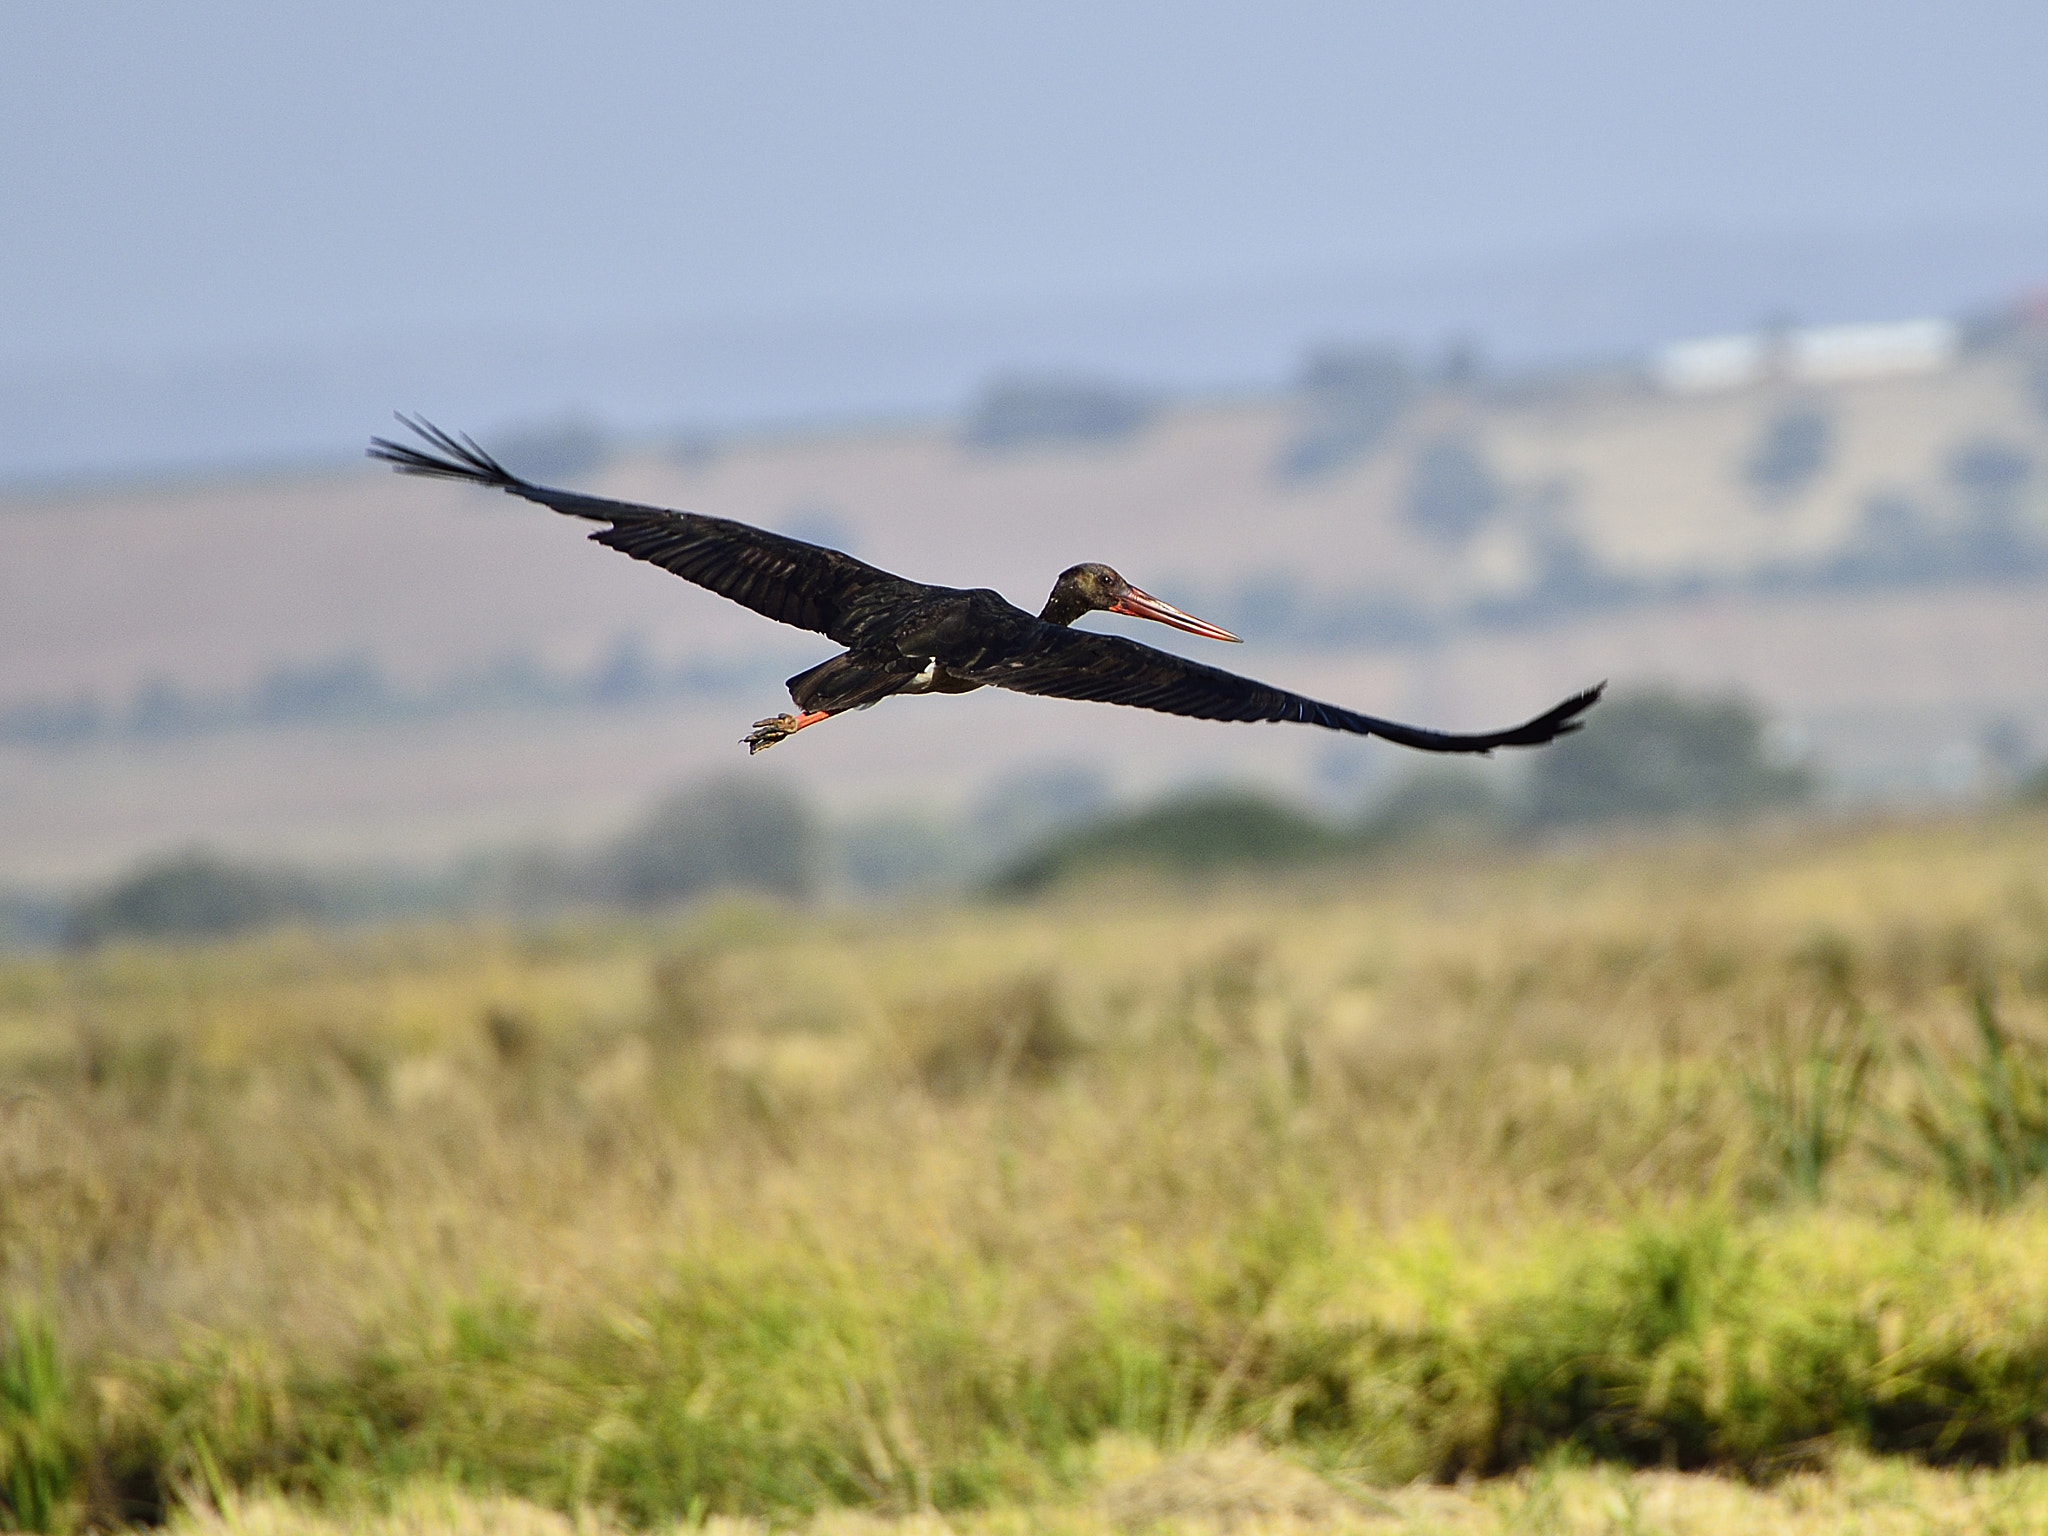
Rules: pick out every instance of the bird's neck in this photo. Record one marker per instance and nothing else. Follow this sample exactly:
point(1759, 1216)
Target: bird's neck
point(1063, 608)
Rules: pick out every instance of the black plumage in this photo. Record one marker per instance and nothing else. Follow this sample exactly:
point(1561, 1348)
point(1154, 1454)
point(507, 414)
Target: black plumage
point(781, 578)
point(905, 636)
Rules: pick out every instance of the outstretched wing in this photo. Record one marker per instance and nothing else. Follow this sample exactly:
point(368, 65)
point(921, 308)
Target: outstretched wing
point(786, 579)
point(1080, 664)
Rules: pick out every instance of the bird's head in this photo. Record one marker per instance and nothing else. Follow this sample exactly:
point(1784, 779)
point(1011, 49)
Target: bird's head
point(1091, 587)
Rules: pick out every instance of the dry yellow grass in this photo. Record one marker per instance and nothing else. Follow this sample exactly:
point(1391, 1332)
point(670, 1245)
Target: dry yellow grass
point(283, 1129)
point(1272, 1135)
point(1245, 1492)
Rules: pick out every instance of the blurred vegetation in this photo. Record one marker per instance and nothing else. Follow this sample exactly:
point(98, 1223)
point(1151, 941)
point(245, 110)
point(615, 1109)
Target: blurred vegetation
point(723, 835)
point(1993, 478)
point(345, 687)
point(1980, 1119)
point(1195, 833)
point(191, 895)
point(1452, 490)
point(1809, 1093)
point(1791, 450)
point(1241, 1485)
point(1351, 397)
point(1644, 757)
point(554, 453)
point(1657, 754)
point(718, 836)
point(1024, 411)
point(1443, 804)
point(31, 919)
point(1721, 1153)
point(351, 688)
point(42, 1427)
point(1031, 803)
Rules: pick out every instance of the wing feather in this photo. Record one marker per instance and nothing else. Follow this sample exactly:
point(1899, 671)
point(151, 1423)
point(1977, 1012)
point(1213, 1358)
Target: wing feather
point(785, 579)
point(1109, 669)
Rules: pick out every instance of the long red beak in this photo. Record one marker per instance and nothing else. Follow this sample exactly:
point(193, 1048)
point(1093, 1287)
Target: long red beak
point(1143, 605)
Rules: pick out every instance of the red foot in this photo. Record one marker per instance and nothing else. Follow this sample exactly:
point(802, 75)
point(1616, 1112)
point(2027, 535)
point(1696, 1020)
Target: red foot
point(768, 732)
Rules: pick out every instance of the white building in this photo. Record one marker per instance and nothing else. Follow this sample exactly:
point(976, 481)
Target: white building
point(1822, 354)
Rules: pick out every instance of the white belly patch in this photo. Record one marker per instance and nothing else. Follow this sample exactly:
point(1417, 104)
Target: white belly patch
point(922, 683)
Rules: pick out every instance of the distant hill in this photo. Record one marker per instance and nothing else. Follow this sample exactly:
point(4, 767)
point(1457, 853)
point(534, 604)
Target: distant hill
point(1525, 311)
point(329, 658)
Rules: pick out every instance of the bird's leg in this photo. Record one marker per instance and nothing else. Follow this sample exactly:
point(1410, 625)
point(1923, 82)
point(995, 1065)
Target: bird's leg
point(768, 732)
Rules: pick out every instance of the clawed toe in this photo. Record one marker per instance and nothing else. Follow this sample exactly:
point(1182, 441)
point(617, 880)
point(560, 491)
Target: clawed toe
point(768, 732)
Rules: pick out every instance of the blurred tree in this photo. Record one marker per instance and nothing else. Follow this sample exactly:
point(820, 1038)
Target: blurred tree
point(525, 880)
point(31, 919)
point(1440, 802)
point(514, 677)
point(1452, 490)
point(1894, 542)
point(2006, 747)
point(1462, 367)
point(695, 449)
point(1018, 412)
point(899, 855)
point(1992, 477)
point(1033, 803)
point(1203, 831)
point(1351, 398)
point(1989, 470)
point(344, 687)
point(625, 673)
point(53, 722)
point(554, 452)
point(192, 895)
point(1791, 449)
point(1659, 754)
point(162, 708)
point(2037, 381)
point(725, 834)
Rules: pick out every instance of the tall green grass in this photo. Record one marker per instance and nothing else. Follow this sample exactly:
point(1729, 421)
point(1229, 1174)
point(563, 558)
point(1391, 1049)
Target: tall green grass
point(1809, 1093)
point(42, 1438)
point(767, 1385)
point(1980, 1118)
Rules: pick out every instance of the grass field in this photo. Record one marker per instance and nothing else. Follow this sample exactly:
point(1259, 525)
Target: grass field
point(1720, 1155)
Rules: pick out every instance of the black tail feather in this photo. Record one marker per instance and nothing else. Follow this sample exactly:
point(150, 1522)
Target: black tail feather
point(464, 459)
point(1553, 723)
point(460, 458)
point(1561, 720)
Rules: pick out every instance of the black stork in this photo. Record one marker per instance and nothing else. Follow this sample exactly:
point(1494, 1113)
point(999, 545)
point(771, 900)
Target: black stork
point(907, 637)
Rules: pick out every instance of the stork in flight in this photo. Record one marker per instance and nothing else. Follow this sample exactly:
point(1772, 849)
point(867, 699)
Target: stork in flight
point(904, 636)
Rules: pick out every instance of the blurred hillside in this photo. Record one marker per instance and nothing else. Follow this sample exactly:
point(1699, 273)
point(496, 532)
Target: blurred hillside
point(351, 664)
point(1538, 307)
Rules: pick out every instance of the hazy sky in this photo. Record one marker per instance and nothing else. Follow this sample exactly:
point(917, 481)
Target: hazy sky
point(212, 176)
